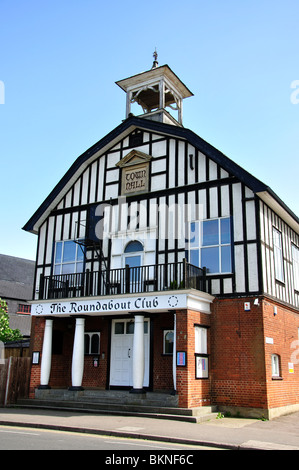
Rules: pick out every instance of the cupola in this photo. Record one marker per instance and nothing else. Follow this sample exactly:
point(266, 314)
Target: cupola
point(155, 90)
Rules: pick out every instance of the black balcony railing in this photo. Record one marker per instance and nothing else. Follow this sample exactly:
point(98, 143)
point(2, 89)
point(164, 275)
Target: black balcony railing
point(128, 280)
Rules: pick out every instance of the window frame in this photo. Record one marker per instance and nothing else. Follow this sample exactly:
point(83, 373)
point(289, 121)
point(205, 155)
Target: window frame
point(24, 309)
point(275, 366)
point(199, 245)
point(278, 255)
point(90, 334)
point(165, 332)
point(295, 262)
point(135, 273)
point(79, 260)
point(201, 351)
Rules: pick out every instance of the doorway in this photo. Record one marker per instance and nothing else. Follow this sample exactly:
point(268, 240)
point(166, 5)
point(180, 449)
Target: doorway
point(121, 363)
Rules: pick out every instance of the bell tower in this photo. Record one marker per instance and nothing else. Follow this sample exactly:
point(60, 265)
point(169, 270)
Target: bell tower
point(155, 90)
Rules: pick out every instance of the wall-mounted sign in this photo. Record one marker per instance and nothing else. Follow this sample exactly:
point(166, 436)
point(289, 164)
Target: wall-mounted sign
point(181, 358)
point(291, 367)
point(201, 367)
point(106, 306)
point(35, 357)
point(135, 179)
point(135, 172)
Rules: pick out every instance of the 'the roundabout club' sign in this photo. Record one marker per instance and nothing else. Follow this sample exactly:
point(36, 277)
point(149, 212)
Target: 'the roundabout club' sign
point(105, 306)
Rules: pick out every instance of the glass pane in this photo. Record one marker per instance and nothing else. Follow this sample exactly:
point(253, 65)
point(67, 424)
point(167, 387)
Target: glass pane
point(69, 251)
point(194, 235)
point(58, 252)
point(119, 328)
point(57, 269)
point(210, 259)
point(80, 255)
point(79, 268)
point(194, 257)
point(145, 327)
point(210, 232)
point(86, 344)
point(276, 238)
point(201, 340)
point(225, 231)
point(226, 264)
point(68, 268)
point(202, 367)
point(130, 328)
point(133, 246)
point(95, 344)
point(168, 342)
point(134, 262)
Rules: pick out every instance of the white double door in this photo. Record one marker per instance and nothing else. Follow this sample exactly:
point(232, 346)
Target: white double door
point(121, 364)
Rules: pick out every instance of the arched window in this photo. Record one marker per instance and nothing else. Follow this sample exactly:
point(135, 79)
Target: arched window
point(133, 256)
point(275, 363)
point(92, 343)
point(133, 247)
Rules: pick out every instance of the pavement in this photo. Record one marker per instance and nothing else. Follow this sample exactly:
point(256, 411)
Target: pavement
point(226, 433)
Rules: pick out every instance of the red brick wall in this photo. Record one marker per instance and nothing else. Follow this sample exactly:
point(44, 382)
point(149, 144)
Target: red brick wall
point(241, 357)
point(162, 363)
point(36, 344)
point(283, 329)
point(61, 364)
point(192, 392)
point(237, 353)
point(96, 377)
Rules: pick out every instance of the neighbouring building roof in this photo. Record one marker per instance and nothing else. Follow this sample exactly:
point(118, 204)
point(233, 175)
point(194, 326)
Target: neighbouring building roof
point(16, 278)
point(16, 287)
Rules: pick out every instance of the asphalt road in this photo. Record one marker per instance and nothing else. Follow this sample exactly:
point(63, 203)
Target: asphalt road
point(18, 438)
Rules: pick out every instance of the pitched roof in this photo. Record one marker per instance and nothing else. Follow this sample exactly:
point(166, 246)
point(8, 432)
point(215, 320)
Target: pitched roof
point(133, 122)
point(16, 277)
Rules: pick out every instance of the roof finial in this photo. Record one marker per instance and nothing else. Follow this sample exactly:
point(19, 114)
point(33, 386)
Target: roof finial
point(155, 63)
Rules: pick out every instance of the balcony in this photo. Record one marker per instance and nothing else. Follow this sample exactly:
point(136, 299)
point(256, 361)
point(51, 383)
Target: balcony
point(128, 280)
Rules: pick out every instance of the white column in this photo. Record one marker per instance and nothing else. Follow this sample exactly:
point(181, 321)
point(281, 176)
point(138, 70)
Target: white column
point(138, 355)
point(174, 353)
point(46, 355)
point(128, 103)
point(162, 94)
point(78, 355)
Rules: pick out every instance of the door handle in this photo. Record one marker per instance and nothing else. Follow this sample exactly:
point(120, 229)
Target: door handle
point(129, 352)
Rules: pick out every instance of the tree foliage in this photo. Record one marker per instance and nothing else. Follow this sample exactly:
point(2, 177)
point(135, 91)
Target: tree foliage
point(6, 333)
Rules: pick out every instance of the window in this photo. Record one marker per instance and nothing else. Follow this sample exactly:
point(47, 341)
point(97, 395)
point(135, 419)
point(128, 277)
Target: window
point(133, 258)
point(295, 256)
point(278, 256)
point(68, 258)
point(168, 336)
point(201, 352)
point(201, 344)
point(210, 245)
point(127, 327)
point(92, 343)
point(275, 363)
point(24, 309)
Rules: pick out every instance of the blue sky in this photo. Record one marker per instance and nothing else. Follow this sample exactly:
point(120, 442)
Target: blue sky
point(59, 61)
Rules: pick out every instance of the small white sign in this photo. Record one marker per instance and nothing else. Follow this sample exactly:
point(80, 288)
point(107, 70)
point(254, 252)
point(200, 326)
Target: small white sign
point(291, 368)
point(269, 340)
point(246, 306)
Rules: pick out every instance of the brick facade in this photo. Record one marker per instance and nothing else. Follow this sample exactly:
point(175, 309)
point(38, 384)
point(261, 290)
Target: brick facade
point(240, 345)
point(192, 392)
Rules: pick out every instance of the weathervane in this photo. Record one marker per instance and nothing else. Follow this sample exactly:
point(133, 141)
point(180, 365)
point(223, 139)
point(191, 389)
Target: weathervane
point(155, 63)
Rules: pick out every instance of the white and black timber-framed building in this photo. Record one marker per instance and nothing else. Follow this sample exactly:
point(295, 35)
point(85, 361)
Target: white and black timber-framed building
point(163, 265)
